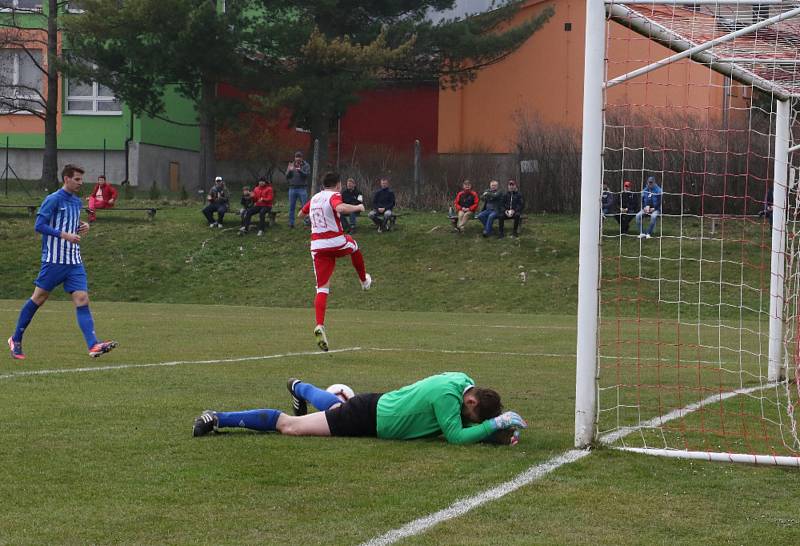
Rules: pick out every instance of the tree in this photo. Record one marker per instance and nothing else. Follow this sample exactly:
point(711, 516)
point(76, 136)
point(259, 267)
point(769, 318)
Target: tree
point(333, 49)
point(29, 70)
point(141, 48)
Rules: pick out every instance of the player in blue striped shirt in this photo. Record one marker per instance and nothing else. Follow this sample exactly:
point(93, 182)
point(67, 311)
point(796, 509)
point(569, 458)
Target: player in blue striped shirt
point(59, 223)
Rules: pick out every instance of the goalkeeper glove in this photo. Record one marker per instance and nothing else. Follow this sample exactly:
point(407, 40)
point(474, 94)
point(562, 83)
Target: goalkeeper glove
point(509, 419)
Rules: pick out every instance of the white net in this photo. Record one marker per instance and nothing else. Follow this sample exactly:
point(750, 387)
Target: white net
point(685, 288)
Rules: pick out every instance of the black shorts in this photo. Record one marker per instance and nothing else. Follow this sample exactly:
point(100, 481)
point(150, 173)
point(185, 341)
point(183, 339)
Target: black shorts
point(356, 417)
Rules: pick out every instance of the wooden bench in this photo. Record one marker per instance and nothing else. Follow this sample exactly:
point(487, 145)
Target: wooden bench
point(150, 211)
point(454, 219)
point(716, 220)
point(31, 208)
point(272, 215)
point(392, 220)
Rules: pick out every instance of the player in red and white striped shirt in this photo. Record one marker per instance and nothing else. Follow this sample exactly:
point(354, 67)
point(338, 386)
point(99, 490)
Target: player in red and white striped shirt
point(329, 242)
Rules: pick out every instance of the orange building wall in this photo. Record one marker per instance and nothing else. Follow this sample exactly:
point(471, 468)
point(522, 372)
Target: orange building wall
point(29, 123)
point(545, 78)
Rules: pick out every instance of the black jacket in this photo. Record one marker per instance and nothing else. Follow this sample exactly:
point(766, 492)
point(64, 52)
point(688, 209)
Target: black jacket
point(629, 200)
point(513, 200)
point(383, 199)
point(493, 200)
point(350, 197)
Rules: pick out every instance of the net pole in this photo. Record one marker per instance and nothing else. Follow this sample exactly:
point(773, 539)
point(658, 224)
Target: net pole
point(589, 252)
point(778, 258)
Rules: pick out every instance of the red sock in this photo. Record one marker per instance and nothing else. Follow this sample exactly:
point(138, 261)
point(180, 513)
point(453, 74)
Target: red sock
point(358, 262)
point(320, 303)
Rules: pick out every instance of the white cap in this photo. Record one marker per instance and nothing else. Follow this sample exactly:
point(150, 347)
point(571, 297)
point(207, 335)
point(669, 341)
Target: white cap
point(218, 179)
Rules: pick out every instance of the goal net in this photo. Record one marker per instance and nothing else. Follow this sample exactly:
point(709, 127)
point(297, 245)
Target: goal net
point(690, 344)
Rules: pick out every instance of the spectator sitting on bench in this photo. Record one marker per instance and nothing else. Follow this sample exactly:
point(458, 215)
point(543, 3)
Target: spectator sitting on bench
point(103, 196)
point(382, 204)
point(608, 202)
point(628, 206)
point(492, 206)
point(261, 204)
point(351, 196)
point(651, 206)
point(769, 205)
point(466, 204)
point(513, 205)
point(246, 200)
point(218, 199)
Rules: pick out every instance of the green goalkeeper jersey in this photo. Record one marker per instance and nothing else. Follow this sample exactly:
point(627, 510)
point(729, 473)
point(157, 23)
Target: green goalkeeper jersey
point(429, 407)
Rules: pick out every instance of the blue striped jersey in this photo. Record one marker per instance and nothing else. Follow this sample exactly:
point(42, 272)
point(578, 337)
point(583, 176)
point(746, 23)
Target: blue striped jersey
point(62, 211)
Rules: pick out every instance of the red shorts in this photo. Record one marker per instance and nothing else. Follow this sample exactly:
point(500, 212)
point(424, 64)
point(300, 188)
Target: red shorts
point(325, 260)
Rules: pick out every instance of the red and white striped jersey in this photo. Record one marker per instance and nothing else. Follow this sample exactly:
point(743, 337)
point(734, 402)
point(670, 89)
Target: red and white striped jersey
point(326, 229)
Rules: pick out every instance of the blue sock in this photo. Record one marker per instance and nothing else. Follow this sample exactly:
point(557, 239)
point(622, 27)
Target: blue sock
point(86, 323)
point(25, 317)
point(319, 398)
point(264, 420)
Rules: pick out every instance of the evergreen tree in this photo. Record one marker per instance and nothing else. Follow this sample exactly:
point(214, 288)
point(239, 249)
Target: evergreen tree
point(140, 48)
point(331, 50)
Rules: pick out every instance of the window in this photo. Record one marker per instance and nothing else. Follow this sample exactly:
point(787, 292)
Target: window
point(29, 5)
point(74, 6)
point(21, 80)
point(91, 99)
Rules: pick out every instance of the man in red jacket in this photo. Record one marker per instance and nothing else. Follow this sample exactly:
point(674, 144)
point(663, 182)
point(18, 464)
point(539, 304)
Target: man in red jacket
point(466, 204)
point(103, 196)
point(262, 204)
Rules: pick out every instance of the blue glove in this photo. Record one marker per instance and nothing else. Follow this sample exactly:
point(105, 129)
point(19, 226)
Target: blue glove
point(509, 419)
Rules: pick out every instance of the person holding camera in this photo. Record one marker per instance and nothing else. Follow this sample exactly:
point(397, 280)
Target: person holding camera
point(492, 205)
point(261, 204)
point(218, 199)
point(297, 176)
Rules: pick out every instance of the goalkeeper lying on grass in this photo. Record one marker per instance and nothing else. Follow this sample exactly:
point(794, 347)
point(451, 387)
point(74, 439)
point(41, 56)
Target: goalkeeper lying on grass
point(448, 404)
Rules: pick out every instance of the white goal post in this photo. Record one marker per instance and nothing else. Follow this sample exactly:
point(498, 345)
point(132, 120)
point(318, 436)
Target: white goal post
point(719, 52)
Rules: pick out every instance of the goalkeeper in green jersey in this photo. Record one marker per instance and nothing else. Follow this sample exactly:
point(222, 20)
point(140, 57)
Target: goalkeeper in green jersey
point(447, 404)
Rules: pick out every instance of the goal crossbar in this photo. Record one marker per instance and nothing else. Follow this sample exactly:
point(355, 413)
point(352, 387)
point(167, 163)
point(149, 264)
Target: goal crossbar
point(700, 2)
point(697, 52)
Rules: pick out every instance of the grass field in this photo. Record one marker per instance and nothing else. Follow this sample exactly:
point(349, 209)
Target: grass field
point(100, 451)
point(98, 457)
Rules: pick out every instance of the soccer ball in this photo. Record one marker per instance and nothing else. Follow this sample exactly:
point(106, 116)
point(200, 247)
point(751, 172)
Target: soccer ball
point(343, 392)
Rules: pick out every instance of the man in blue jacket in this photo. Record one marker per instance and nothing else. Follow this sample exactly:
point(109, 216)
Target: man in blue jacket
point(382, 205)
point(651, 206)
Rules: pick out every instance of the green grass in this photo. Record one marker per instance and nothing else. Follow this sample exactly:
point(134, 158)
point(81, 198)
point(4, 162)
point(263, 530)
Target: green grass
point(420, 266)
point(107, 456)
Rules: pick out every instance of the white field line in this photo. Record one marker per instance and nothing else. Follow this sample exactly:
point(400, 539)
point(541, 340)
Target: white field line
point(172, 363)
point(534, 473)
point(353, 321)
point(619, 434)
point(463, 506)
point(464, 352)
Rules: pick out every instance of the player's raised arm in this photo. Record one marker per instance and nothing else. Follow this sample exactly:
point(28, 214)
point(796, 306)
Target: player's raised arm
point(305, 210)
point(344, 208)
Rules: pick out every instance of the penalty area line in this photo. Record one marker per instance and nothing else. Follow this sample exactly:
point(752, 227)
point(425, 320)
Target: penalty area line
point(536, 472)
point(465, 352)
point(172, 363)
point(461, 507)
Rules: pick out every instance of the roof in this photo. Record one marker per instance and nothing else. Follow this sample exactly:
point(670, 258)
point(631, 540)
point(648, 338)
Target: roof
point(768, 58)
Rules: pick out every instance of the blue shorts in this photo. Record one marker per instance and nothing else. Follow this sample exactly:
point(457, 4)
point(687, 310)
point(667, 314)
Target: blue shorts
point(73, 277)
